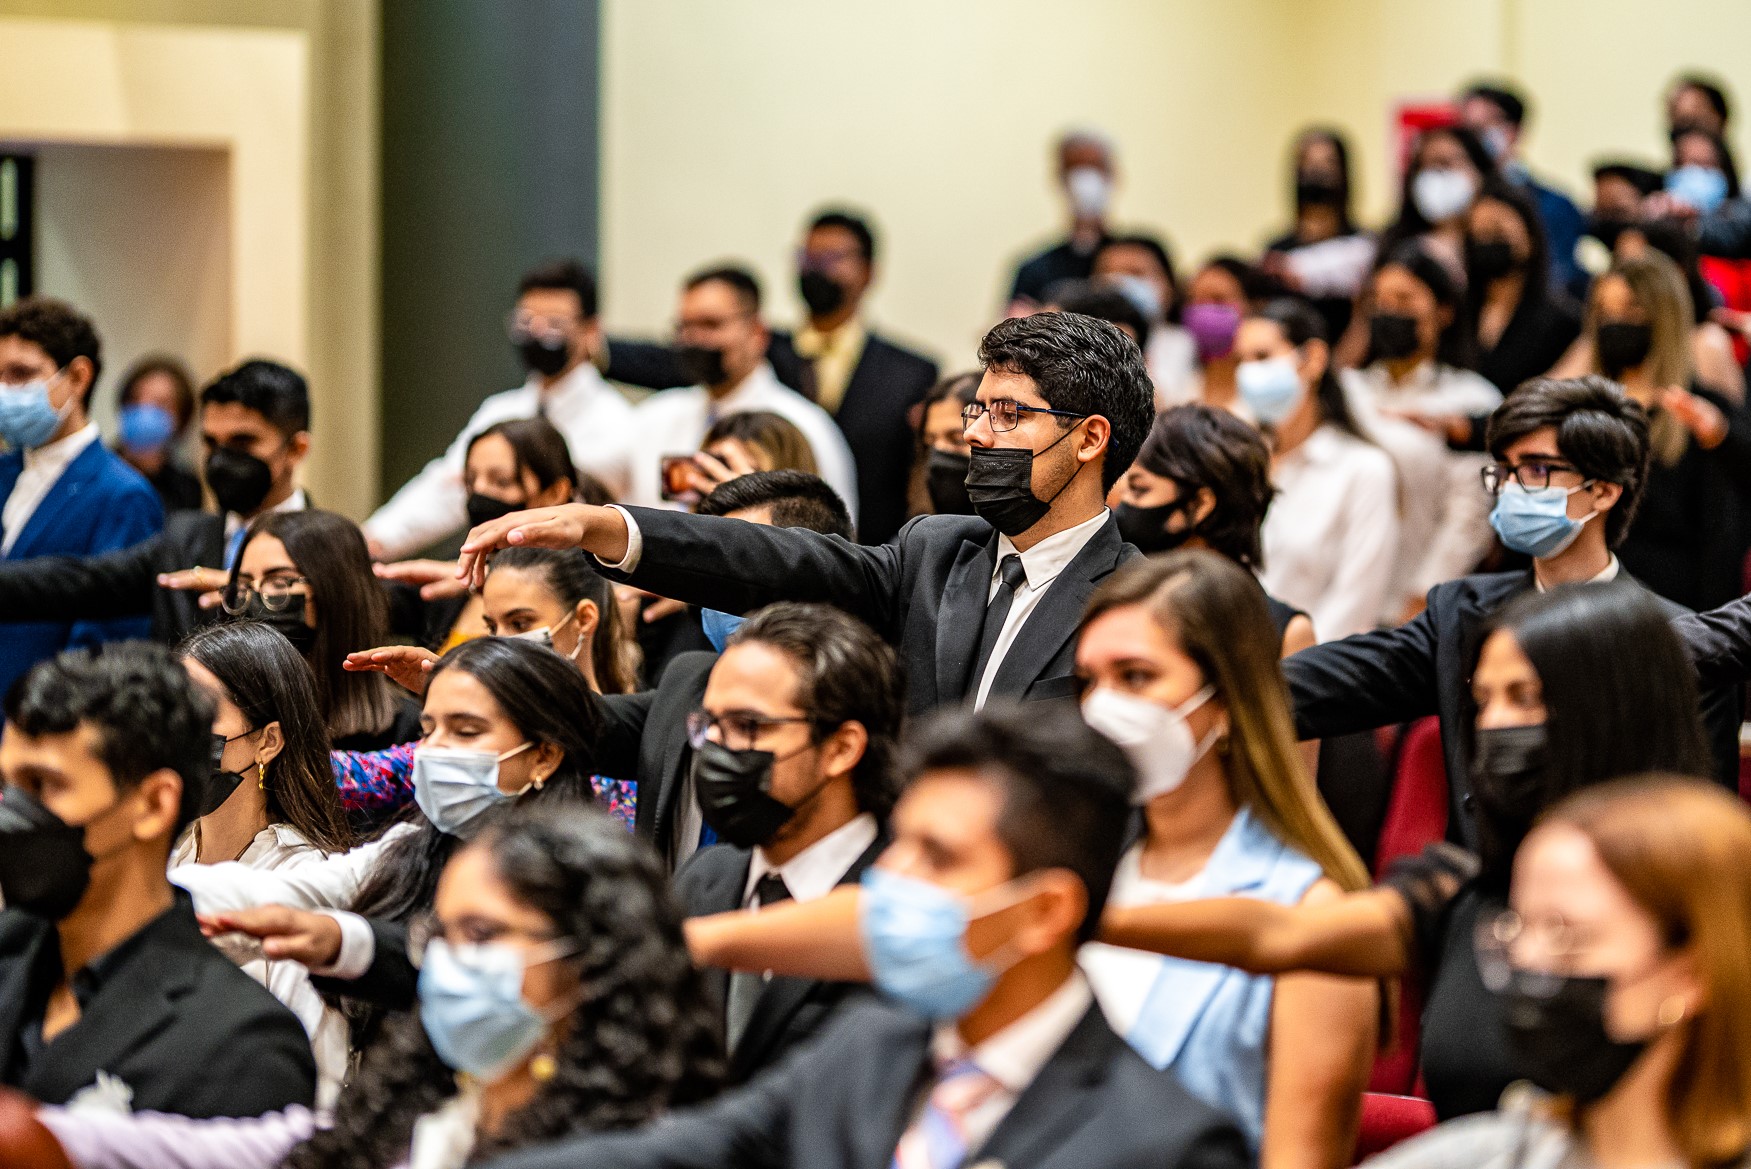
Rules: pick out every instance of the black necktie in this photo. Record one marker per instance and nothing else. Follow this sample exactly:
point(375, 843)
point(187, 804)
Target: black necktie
point(745, 985)
point(1011, 576)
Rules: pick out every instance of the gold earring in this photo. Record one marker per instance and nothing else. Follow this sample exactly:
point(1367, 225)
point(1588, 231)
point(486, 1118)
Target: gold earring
point(261, 776)
point(1668, 1017)
point(543, 1068)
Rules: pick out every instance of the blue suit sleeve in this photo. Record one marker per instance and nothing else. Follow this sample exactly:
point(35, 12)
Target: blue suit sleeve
point(128, 516)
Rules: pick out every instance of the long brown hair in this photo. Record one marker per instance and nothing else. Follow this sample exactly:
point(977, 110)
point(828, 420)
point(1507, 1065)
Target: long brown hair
point(1216, 611)
point(1658, 287)
point(1678, 847)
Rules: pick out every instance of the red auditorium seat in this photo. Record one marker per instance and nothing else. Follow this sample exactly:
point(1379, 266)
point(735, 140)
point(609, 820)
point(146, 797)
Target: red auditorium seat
point(1387, 1120)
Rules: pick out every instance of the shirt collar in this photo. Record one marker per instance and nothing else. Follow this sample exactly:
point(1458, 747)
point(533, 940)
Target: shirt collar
point(755, 385)
point(812, 343)
point(1045, 560)
point(581, 382)
point(57, 454)
point(297, 501)
point(815, 871)
point(1015, 1055)
point(88, 981)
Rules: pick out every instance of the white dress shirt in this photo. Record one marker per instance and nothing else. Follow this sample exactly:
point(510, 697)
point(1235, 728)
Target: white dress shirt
point(1042, 563)
point(815, 871)
point(592, 415)
point(1120, 976)
point(1331, 534)
point(43, 467)
point(1444, 527)
point(674, 422)
point(1013, 1057)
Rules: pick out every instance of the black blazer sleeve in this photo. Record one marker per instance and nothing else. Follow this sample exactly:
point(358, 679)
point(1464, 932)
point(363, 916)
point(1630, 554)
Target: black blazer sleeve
point(649, 364)
point(1364, 681)
point(392, 980)
point(1719, 642)
point(622, 721)
point(81, 588)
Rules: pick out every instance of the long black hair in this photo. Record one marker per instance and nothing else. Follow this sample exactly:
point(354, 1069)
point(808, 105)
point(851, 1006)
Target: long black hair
point(1410, 222)
point(571, 576)
point(643, 1040)
point(1619, 697)
point(1301, 323)
point(1454, 346)
point(1198, 445)
point(1535, 275)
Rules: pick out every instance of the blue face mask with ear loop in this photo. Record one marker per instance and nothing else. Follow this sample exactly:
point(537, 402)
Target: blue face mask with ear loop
point(472, 1007)
point(719, 627)
point(915, 939)
point(1536, 521)
point(27, 418)
point(1271, 388)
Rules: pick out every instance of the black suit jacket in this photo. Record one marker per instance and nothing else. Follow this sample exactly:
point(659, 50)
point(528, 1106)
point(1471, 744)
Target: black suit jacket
point(789, 1010)
point(843, 1102)
point(123, 583)
point(1719, 641)
point(173, 1018)
point(875, 415)
point(925, 591)
point(1424, 667)
point(644, 738)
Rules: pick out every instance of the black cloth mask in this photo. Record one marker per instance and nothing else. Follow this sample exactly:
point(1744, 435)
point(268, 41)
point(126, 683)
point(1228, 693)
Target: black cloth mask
point(823, 294)
point(945, 479)
point(1557, 1036)
point(1318, 193)
point(734, 791)
point(220, 783)
point(44, 867)
point(1392, 336)
point(544, 357)
point(239, 480)
point(1000, 484)
point(1490, 259)
point(1622, 345)
point(1146, 528)
point(1507, 783)
point(483, 509)
point(703, 364)
point(288, 622)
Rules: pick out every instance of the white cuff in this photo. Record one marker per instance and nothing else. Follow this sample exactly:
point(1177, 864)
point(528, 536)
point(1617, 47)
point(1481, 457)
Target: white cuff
point(358, 946)
point(634, 544)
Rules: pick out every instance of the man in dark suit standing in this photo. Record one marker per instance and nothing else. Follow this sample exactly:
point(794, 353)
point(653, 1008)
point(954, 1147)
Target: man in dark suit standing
point(1572, 459)
point(992, 1050)
point(106, 983)
point(979, 607)
point(793, 766)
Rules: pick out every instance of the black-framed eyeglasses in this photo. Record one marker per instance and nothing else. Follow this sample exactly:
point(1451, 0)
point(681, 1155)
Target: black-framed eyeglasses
point(738, 730)
point(277, 594)
point(1533, 475)
point(1005, 415)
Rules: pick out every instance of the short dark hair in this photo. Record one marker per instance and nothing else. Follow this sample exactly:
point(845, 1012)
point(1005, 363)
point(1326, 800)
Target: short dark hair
point(170, 367)
point(741, 281)
point(1197, 445)
point(58, 329)
point(536, 447)
point(147, 714)
point(845, 673)
point(1499, 94)
point(277, 392)
point(1103, 302)
point(1645, 179)
point(797, 500)
point(1066, 789)
point(563, 276)
point(857, 225)
point(1599, 428)
point(1711, 91)
point(1082, 365)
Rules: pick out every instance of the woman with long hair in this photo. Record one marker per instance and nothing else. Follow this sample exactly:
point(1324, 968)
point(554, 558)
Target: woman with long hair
point(1521, 327)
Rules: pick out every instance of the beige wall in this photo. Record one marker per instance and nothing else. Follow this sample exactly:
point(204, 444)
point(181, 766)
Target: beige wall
point(726, 121)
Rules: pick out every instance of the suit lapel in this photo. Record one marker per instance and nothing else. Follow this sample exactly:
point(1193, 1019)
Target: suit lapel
point(1053, 622)
point(15, 980)
point(721, 895)
point(62, 494)
point(882, 1103)
point(1050, 1110)
point(960, 615)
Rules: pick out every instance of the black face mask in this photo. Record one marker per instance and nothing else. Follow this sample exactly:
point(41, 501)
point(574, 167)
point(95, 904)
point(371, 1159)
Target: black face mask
point(703, 364)
point(239, 480)
point(1392, 336)
point(1000, 484)
point(945, 479)
point(220, 783)
point(734, 792)
point(1557, 1037)
point(1606, 229)
point(823, 294)
point(44, 868)
point(1507, 778)
point(1622, 345)
point(483, 509)
point(1490, 259)
point(1146, 527)
point(288, 622)
point(1318, 193)
point(544, 357)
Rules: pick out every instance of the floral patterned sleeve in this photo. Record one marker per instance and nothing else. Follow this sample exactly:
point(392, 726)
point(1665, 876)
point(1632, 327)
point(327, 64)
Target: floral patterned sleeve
point(375, 782)
point(618, 796)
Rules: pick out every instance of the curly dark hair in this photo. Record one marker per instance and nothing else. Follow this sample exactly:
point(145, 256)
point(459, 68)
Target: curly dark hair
point(644, 1040)
point(58, 329)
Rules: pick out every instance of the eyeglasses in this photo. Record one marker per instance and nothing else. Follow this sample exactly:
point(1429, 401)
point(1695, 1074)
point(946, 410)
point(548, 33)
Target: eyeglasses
point(1006, 415)
point(520, 323)
point(738, 730)
point(424, 927)
point(1533, 475)
point(1537, 954)
point(277, 594)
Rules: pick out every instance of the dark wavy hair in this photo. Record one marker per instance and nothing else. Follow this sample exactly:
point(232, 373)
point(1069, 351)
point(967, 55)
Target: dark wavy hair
point(644, 1039)
point(1196, 445)
point(571, 576)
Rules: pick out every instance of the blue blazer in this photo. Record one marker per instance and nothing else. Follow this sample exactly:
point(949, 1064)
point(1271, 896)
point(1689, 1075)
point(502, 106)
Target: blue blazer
point(99, 504)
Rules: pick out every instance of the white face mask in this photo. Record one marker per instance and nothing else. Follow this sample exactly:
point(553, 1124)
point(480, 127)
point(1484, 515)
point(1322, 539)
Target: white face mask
point(1090, 191)
point(455, 787)
point(1157, 738)
point(1441, 195)
point(544, 637)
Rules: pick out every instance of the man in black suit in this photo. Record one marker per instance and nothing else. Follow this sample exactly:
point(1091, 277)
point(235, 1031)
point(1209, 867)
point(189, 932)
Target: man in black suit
point(793, 764)
point(1008, 833)
point(979, 607)
point(1580, 436)
point(255, 426)
point(867, 382)
point(106, 983)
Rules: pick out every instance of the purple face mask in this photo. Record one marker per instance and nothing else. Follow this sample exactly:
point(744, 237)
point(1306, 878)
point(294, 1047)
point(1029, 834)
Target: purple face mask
point(1212, 328)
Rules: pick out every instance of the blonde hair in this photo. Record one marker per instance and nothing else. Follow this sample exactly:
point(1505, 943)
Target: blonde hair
point(1216, 611)
point(1678, 847)
point(1659, 288)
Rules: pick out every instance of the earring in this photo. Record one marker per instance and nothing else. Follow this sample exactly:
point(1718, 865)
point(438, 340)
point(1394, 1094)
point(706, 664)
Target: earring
point(1671, 1012)
point(539, 780)
point(261, 776)
point(543, 1068)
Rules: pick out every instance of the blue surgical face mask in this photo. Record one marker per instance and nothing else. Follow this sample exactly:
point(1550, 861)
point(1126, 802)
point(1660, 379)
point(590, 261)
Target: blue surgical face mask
point(1271, 389)
point(454, 788)
point(915, 939)
point(719, 627)
point(543, 637)
point(27, 419)
point(1537, 521)
point(471, 1004)
point(1142, 294)
point(1703, 187)
point(146, 428)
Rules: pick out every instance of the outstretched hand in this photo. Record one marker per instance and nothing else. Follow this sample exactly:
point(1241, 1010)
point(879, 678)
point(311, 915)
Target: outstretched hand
point(436, 578)
point(209, 582)
point(1700, 416)
point(297, 935)
point(408, 665)
point(570, 525)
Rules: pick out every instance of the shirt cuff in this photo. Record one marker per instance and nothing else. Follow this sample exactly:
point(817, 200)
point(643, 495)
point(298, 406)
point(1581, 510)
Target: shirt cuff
point(358, 946)
point(634, 544)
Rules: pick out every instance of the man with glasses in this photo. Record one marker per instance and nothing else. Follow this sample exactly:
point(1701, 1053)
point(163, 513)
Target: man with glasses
point(979, 606)
point(721, 345)
point(1571, 459)
point(556, 333)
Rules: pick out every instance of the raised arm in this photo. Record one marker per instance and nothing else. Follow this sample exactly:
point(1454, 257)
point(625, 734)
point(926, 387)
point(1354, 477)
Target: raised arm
point(814, 939)
point(81, 588)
